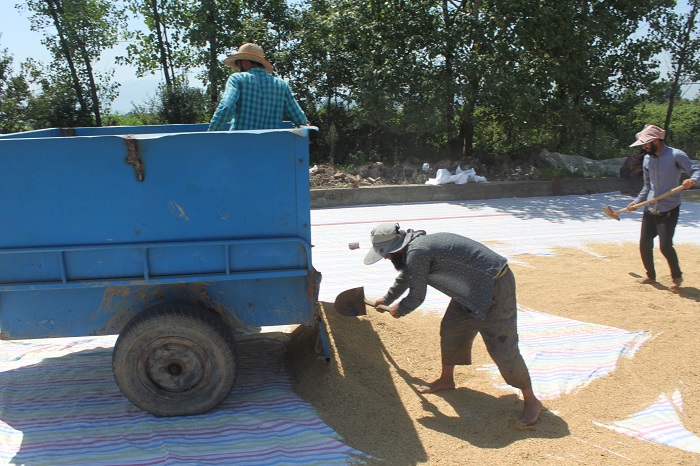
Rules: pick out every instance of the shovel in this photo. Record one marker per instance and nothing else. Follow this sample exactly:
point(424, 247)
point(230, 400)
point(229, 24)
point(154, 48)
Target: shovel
point(609, 212)
point(352, 303)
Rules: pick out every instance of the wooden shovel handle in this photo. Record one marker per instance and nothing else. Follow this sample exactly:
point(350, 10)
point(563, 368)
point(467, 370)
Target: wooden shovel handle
point(380, 308)
point(675, 190)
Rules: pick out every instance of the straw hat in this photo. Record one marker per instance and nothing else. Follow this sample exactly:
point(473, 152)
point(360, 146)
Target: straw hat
point(648, 134)
point(252, 52)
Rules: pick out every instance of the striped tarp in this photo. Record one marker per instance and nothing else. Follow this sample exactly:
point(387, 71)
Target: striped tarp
point(659, 423)
point(564, 355)
point(60, 405)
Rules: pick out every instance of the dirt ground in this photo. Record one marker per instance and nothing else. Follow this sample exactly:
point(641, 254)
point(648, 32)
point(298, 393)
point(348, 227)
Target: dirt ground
point(366, 393)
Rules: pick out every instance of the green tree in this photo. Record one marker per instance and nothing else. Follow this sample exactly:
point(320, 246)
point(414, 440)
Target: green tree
point(77, 32)
point(181, 104)
point(14, 95)
point(476, 74)
point(212, 28)
point(358, 65)
point(320, 64)
point(680, 39)
point(54, 102)
point(555, 65)
point(159, 47)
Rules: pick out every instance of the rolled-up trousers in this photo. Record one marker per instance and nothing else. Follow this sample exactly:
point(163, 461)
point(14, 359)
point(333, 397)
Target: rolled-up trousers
point(499, 331)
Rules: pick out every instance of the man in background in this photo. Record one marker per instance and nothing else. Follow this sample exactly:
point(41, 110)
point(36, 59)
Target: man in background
point(631, 170)
point(254, 99)
point(662, 168)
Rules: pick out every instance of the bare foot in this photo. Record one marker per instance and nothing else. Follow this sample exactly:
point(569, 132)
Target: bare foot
point(677, 282)
point(531, 412)
point(646, 281)
point(438, 385)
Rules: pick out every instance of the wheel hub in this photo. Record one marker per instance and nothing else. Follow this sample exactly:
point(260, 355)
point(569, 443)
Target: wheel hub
point(174, 365)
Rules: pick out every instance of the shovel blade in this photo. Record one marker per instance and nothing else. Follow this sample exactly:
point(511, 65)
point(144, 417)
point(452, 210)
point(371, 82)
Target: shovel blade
point(607, 210)
point(351, 302)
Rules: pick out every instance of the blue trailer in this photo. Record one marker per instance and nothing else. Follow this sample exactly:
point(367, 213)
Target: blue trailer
point(170, 236)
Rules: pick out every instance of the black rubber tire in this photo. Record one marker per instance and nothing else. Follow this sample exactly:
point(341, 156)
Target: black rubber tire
point(175, 359)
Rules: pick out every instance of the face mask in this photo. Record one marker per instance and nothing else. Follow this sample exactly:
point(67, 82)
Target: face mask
point(397, 260)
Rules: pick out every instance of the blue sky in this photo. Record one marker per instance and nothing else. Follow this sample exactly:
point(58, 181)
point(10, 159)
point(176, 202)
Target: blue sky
point(23, 43)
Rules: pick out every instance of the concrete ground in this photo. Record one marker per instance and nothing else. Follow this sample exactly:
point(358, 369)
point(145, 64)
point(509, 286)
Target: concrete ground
point(511, 226)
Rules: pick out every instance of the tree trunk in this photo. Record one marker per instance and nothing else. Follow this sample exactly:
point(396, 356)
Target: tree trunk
point(213, 59)
point(81, 50)
point(93, 85)
point(54, 7)
point(162, 52)
point(467, 126)
point(453, 137)
point(672, 98)
point(689, 26)
point(169, 52)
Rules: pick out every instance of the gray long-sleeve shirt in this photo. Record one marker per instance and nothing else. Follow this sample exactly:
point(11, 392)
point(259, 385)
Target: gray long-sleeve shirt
point(462, 268)
point(662, 173)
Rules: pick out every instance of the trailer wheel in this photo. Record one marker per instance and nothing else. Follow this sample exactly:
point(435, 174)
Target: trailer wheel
point(175, 359)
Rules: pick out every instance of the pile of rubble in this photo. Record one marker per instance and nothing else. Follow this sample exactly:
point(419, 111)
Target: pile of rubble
point(327, 176)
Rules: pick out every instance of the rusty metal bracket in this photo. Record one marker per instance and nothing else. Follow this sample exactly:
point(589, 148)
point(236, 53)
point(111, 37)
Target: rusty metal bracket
point(133, 157)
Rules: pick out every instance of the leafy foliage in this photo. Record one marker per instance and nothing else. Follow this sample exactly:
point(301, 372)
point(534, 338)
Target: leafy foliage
point(679, 33)
point(77, 32)
point(182, 104)
point(160, 46)
point(14, 94)
point(477, 80)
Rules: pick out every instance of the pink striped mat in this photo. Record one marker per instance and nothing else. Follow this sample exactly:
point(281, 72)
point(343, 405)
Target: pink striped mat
point(60, 405)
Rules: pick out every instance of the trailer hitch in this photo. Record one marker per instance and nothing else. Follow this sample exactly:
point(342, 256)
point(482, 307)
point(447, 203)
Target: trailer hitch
point(133, 157)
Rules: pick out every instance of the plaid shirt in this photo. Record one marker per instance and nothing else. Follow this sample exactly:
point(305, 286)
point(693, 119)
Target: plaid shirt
point(256, 100)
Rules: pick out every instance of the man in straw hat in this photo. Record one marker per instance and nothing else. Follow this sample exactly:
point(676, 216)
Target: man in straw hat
point(254, 99)
point(662, 168)
point(482, 288)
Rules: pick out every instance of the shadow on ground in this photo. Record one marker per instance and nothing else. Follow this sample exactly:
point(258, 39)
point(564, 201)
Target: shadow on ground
point(368, 398)
point(558, 209)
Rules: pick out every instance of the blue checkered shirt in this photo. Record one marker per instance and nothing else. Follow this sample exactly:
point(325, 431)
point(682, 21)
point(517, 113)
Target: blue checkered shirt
point(256, 100)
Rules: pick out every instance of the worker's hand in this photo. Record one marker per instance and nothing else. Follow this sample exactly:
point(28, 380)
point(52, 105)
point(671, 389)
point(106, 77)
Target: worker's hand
point(687, 184)
point(395, 311)
point(632, 207)
point(378, 305)
point(377, 302)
